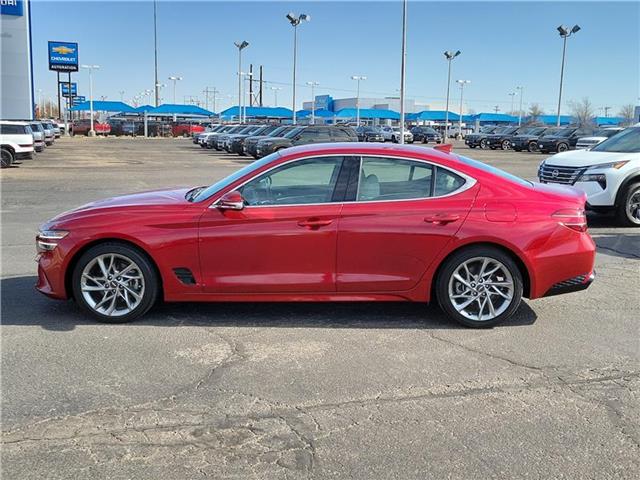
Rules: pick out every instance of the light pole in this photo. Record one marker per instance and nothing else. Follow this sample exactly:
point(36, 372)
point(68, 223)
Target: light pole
point(462, 83)
point(313, 101)
point(564, 33)
point(155, 48)
point(520, 88)
point(121, 92)
point(40, 103)
point(175, 80)
point(159, 87)
point(512, 95)
point(241, 46)
point(91, 68)
point(403, 68)
point(295, 21)
point(358, 78)
point(275, 94)
point(243, 104)
point(449, 55)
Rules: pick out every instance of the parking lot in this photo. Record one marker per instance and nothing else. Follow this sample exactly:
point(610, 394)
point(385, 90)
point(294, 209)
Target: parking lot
point(361, 390)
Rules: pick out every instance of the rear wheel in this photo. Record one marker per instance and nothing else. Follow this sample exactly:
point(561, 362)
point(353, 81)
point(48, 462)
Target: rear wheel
point(628, 212)
point(115, 283)
point(483, 144)
point(532, 147)
point(562, 147)
point(506, 144)
point(7, 157)
point(479, 287)
point(393, 139)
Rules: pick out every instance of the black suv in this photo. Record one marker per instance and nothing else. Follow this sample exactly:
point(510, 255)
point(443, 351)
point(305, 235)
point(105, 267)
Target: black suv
point(250, 144)
point(503, 138)
point(528, 139)
point(307, 135)
point(425, 135)
point(369, 134)
point(563, 140)
point(473, 140)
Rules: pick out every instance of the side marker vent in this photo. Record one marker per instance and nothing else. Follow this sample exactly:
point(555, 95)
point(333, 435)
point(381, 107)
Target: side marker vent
point(184, 275)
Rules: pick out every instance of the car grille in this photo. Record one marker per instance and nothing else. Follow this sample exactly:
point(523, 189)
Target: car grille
point(556, 174)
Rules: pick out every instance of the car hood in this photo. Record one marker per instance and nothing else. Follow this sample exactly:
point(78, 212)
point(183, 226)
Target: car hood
point(592, 139)
point(552, 138)
point(143, 199)
point(587, 158)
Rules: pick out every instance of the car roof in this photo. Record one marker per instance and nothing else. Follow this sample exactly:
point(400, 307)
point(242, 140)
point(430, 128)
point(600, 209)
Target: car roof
point(15, 122)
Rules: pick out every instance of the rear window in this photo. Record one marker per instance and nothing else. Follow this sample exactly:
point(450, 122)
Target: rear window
point(493, 170)
point(11, 129)
point(627, 141)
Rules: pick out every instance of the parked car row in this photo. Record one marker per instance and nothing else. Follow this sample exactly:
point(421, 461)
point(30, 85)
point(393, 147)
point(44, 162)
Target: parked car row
point(20, 139)
point(261, 140)
point(538, 139)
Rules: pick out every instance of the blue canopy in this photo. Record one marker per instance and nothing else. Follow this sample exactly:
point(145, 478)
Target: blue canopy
point(321, 113)
point(604, 121)
point(143, 108)
point(258, 112)
point(494, 118)
point(551, 119)
point(368, 113)
point(183, 110)
point(104, 106)
point(433, 116)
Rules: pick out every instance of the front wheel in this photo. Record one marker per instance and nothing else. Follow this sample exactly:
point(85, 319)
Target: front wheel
point(483, 144)
point(562, 147)
point(479, 287)
point(506, 144)
point(394, 140)
point(115, 283)
point(532, 147)
point(628, 212)
point(7, 158)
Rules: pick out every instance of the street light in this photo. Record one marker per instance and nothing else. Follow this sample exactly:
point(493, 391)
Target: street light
point(358, 78)
point(564, 33)
point(241, 46)
point(462, 83)
point(275, 93)
point(91, 68)
point(175, 80)
point(313, 101)
point(243, 103)
point(512, 95)
point(449, 55)
point(403, 68)
point(295, 21)
point(121, 92)
point(521, 89)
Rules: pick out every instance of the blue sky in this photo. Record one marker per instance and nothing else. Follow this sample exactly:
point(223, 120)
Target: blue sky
point(503, 44)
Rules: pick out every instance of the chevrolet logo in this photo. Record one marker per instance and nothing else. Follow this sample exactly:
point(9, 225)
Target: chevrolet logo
point(62, 50)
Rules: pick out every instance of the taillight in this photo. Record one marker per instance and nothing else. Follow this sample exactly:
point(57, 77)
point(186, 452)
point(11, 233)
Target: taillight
point(573, 218)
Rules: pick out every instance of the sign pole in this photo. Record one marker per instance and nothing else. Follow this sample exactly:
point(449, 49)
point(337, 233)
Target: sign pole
point(58, 88)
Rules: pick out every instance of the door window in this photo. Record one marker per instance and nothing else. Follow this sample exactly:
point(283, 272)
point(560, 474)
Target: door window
point(394, 179)
point(311, 180)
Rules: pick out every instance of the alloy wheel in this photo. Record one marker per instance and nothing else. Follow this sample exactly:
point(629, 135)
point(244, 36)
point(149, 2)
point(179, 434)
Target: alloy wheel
point(506, 144)
point(483, 144)
point(112, 284)
point(633, 206)
point(481, 288)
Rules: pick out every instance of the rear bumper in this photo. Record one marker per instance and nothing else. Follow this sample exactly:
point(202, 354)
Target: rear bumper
point(574, 284)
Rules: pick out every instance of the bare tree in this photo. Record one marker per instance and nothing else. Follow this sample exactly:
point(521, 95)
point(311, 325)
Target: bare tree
point(583, 112)
point(627, 113)
point(534, 113)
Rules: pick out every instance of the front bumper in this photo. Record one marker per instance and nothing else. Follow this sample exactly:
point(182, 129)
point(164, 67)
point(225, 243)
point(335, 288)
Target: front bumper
point(549, 146)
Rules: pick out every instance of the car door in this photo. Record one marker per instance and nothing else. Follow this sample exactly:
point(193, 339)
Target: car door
point(284, 239)
point(404, 213)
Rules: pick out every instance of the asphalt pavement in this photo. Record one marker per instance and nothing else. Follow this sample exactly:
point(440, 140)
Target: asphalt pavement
point(322, 391)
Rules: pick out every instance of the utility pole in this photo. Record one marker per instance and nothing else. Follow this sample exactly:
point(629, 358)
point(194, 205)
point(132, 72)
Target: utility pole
point(496, 109)
point(606, 111)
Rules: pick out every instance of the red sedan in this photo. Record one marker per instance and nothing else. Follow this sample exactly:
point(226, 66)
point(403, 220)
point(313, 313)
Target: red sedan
point(330, 222)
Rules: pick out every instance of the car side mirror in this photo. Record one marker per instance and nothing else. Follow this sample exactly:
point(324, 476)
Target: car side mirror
point(230, 201)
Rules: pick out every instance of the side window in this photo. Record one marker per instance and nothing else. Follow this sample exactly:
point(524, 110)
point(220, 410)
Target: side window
point(340, 135)
point(308, 134)
point(447, 182)
point(393, 179)
point(311, 180)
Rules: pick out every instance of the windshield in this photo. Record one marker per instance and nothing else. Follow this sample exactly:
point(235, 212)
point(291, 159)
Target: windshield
point(493, 170)
point(293, 132)
point(225, 182)
point(627, 141)
point(606, 132)
point(510, 130)
point(535, 131)
point(37, 127)
point(429, 130)
point(278, 131)
point(565, 132)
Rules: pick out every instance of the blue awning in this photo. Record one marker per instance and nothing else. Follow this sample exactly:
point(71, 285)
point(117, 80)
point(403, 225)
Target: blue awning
point(182, 110)
point(368, 113)
point(104, 106)
point(143, 108)
point(494, 118)
point(551, 119)
point(258, 112)
point(603, 121)
point(322, 113)
point(433, 116)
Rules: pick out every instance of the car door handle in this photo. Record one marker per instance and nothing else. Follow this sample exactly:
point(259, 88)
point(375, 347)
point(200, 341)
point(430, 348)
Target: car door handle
point(442, 218)
point(314, 223)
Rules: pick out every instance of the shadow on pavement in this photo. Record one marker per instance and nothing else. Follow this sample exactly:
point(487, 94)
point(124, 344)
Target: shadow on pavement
point(23, 305)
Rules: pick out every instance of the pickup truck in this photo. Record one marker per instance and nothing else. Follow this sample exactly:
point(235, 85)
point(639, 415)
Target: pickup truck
point(82, 127)
point(186, 130)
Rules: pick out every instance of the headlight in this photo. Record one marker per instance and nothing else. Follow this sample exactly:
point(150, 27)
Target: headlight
point(47, 240)
point(616, 165)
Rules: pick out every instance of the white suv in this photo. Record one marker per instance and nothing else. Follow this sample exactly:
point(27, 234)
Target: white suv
point(609, 174)
point(16, 139)
point(598, 137)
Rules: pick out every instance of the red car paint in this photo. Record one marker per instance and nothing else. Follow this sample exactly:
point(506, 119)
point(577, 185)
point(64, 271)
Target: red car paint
point(378, 250)
point(186, 130)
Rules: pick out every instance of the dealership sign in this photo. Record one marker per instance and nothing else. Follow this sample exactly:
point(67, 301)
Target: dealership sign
point(65, 89)
point(12, 7)
point(78, 100)
point(63, 56)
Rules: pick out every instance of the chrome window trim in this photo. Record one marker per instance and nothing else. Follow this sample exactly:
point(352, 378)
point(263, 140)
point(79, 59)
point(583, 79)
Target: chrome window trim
point(469, 182)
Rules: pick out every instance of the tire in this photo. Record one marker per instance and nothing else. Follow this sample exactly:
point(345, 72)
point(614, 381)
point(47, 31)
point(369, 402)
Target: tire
point(472, 146)
point(88, 266)
point(562, 147)
point(532, 147)
point(505, 145)
point(393, 139)
point(483, 144)
point(474, 256)
point(7, 158)
point(628, 211)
